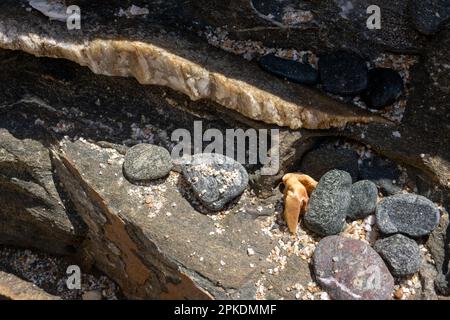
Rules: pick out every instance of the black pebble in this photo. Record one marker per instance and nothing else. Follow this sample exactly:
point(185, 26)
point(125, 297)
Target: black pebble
point(343, 73)
point(385, 87)
point(291, 70)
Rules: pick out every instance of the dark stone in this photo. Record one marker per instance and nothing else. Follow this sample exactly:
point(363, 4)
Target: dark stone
point(291, 70)
point(145, 162)
point(351, 270)
point(384, 88)
point(429, 16)
point(215, 179)
point(364, 200)
point(318, 162)
point(329, 203)
point(401, 254)
point(382, 173)
point(410, 214)
point(343, 73)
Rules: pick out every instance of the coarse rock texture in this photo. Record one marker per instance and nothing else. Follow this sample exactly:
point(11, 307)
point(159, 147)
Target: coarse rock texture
point(145, 162)
point(180, 62)
point(401, 254)
point(135, 233)
point(48, 272)
point(14, 288)
point(363, 201)
point(215, 179)
point(351, 270)
point(329, 203)
point(439, 245)
point(410, 214)
point(32, 212)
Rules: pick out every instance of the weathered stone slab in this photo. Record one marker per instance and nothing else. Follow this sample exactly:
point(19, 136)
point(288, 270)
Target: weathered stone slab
point(32, 212)
point(158, 55)
point(14, 288)
point(150, 239)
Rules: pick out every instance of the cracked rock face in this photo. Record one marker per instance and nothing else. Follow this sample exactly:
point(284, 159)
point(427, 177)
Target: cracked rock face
point(32, 212)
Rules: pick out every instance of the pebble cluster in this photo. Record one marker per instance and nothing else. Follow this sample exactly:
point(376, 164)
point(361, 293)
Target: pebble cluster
point(397, 64)
point(344, 211)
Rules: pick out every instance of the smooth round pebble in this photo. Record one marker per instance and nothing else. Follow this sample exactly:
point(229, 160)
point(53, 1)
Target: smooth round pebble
point(409, 214)
point(145, 162)
point(363, 202)
point(384, 88)
point(291, 70)
point(343, 73)
point(401, 254)
point(215, 179)
point(329, 203)
point(349, 269)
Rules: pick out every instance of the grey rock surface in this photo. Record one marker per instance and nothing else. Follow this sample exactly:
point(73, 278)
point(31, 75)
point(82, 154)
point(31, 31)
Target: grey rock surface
point(401, 254)
point(410, 214)
point(329, 203)
point(146, 162)
point(363, 202)
point(439, 246)
point(32, 211)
